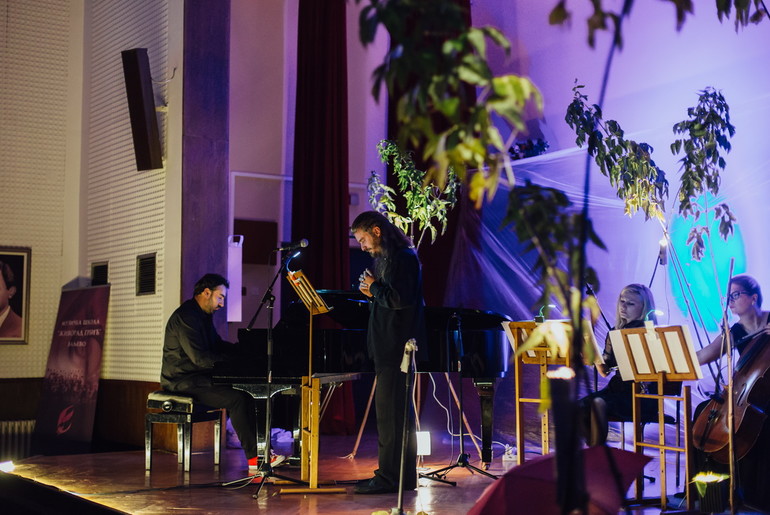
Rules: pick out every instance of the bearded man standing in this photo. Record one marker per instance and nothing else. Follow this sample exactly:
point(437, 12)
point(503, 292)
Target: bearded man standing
point(396, 305)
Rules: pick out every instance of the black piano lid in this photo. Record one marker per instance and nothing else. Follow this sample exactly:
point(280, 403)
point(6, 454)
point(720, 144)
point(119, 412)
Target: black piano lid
point(351, 309)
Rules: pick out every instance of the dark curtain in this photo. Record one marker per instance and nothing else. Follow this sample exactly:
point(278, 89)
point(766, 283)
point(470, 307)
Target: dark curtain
point(435, 257)
point(320, 201)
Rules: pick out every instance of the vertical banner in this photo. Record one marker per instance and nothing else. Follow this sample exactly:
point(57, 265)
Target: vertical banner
point(65, 418)
point(235, 277)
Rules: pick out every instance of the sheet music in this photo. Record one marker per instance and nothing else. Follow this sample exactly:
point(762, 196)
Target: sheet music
point(679, 349)
point(637, 351)
point(588, 338)
point(630, 352)
point(511, 338)
point(621, 356)
point(657, 353)
point(677, 356)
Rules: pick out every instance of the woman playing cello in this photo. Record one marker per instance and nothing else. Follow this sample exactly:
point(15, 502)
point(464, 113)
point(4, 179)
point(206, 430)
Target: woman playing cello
point(753, 469)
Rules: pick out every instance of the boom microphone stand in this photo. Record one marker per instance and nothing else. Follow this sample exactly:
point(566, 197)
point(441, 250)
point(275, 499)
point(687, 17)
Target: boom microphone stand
point(265, 470)
point(462, 459)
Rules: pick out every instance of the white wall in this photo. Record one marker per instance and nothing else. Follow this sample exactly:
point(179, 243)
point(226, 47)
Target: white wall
point(129, 212)
point(34, 74)
point(367, 119)
point(72, 191)
point(262, 44)
point(262, 98)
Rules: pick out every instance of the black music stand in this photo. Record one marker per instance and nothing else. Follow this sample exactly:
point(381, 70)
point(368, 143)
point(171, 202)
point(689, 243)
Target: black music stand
point(462, 459)
point(265, 470)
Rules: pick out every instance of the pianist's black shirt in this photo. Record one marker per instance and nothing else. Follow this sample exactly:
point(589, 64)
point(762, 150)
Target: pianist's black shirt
point(190, 347)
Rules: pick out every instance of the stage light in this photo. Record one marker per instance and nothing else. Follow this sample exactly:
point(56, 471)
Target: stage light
point(663, 251)
point(656, 311)
point(7, 466)
point(423, 443)
point(540, 318)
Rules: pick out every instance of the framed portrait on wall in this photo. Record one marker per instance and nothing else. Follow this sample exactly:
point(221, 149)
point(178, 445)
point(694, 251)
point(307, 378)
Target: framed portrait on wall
point(14, 294)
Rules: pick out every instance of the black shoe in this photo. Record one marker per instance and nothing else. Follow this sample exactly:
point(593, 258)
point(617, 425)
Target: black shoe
point(374, 486)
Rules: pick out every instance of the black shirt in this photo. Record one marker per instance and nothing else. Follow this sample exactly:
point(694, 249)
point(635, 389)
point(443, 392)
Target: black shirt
point(738, 333)
point(190, 347)
point(396, 309)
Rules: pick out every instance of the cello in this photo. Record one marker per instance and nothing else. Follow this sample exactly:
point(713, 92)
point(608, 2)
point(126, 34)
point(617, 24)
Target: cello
point(751, 398)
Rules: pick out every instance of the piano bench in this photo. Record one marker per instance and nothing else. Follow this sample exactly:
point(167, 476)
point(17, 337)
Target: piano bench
point(182, 411)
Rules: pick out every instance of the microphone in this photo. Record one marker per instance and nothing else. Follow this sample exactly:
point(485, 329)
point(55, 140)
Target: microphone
point(294, 246)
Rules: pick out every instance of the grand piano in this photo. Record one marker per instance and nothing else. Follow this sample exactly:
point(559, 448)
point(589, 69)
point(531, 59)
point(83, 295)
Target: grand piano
point(468, 339)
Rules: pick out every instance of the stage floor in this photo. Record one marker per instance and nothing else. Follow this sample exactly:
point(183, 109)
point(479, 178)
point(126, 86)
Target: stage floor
point(118, 480)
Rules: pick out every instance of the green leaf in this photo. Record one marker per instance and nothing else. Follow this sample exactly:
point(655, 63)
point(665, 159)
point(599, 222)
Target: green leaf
point(473, 71)
point(559, 14)
point(477, 38)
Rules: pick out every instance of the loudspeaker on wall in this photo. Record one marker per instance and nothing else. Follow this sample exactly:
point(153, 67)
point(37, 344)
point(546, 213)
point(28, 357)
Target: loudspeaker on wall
point(141, 108)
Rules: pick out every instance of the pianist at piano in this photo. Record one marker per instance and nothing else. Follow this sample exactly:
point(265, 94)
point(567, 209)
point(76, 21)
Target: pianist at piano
point(191, 346)
point(396, 314)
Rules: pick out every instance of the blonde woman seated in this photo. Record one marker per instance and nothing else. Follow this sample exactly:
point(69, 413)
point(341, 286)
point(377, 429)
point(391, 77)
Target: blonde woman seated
point(614, 401)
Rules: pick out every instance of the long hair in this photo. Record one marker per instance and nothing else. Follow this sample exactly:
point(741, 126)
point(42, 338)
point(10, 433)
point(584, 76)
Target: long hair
point(648, 304)
point(750, 285)
point(392, 239)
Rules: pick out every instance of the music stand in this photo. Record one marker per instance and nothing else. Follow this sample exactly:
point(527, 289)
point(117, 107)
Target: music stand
point(463, 457)
point(541, 355)
point(268, 300)
point(659, 355)
point(311, 391)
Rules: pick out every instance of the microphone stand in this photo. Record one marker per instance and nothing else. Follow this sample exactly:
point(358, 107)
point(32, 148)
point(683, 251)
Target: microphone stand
point(728, 341)
point(406, 363)
point(268, 300)
point(462, 459)
point(729, 398)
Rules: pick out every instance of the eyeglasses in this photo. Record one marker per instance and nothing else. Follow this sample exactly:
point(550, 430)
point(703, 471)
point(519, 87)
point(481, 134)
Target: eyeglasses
point(736, 294)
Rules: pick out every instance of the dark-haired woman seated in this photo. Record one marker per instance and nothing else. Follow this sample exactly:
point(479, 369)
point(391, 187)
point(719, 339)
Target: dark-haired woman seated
point(753, 470)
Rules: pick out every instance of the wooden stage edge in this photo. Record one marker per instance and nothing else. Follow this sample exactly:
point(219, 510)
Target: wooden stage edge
point(116, 482)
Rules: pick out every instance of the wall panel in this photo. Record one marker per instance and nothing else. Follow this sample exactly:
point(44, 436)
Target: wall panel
point(33, 88)
point(125, 210)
